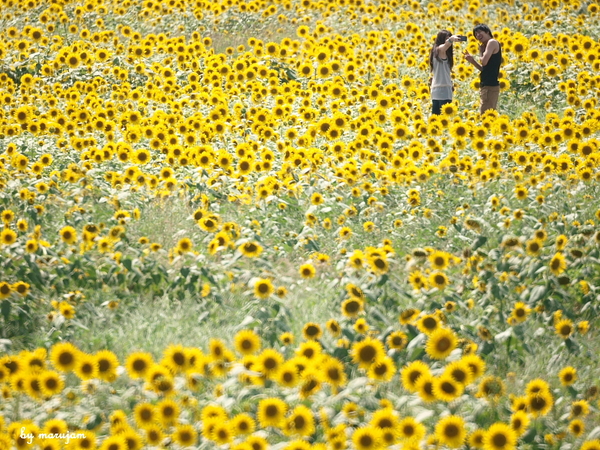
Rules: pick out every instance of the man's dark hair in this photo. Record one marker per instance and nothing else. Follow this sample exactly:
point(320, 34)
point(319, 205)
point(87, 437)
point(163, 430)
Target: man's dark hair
point(484, 28)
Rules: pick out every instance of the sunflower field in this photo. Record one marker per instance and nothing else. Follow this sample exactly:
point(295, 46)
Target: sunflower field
point(235, 225)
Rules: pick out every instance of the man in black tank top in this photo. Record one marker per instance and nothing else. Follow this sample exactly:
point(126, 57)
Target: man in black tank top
point(490, 53)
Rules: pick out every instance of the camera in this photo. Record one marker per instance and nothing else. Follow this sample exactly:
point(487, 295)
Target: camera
point(462, 39)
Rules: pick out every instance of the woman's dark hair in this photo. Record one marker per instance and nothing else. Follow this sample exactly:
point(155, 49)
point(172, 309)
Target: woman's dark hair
point(441, 39)
point(484, 28)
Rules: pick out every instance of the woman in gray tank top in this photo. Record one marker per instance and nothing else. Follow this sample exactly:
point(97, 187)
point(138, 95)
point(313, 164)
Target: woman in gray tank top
point(441, 60)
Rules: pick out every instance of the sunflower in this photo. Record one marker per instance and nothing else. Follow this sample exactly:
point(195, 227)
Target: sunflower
point(168, 411)
point(439, 260)
point(451, 431)
point(446, 388)
point(154, 435)
point(536, 386)
point(411, 373)
point(250, 249)
point(286, 338)
point(145, 415)
point(408, 316)
point(138, 363)
point(287, 375)
point(519, 421)
point(567, 376)
point(439, 279)
point(307, 270)
point(210, 223)
point(247, 342)
point(460, 372)
point(175, 359)
point(310, 350)
point(379, 264)
point(22, 288)
point(333, 326)
point(417, 280)
point(491, 387)
point(298, 444)
point(7, 216)
point(441, 343)
point(263, 288)
point(312, 331)
point(475, 363)
point(361, 326)
point(591, 445)
point(475, 439)
point(561, 242)
point(107, 365)
point(411, 430)
point(184, 245)
point(576, 427)
point(540, 404)
point(300, 422)
point(534, 247)
point(397, 340)
point(84, 441)
point(256, 442)
point(51, 383)
point(222, 433)
point(86, 367)
point(271, 412)
point(160, 379)
point(428, 323)
point(382, 369)
point(365, 352)
point(424, 387)
point(384, 418)
point(367, 438)
point(64, 356)
point(8, 237)
point(269, 361)
point(352, 307)
point(35, 360)
point(114, 442)
point(333, 372)
point(558, 264)
point(564, 328)
point(213, 411)
point(580, 408)
point(242, 424)
point(357, 260)
point(520, 312)
point(500, 436)
point(68, 235)
point(5, 290)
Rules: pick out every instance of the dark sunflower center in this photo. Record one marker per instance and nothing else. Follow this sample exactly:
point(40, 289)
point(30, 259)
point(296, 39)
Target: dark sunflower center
point(65, 358)
point(139, 365)
point(270, 363)
point(448, 387)
point(366, 441)
point(367, 353)
point(443, 344)
point(452, 431)
point(499, 440)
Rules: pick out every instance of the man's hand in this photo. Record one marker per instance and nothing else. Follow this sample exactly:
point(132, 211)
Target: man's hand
point(470, 58)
